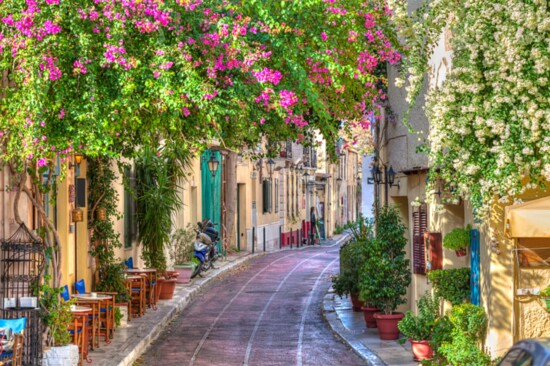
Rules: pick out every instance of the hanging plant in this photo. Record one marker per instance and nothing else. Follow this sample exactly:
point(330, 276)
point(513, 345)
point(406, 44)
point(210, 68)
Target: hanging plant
point(457, 239)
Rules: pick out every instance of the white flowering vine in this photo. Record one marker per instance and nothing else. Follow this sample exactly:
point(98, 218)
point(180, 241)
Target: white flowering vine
point(490, 118)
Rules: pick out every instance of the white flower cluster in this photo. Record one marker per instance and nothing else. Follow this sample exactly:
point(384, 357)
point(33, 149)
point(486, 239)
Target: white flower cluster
point(490, 119)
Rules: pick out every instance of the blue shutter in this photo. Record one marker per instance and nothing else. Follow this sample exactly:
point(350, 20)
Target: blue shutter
point(474, 267)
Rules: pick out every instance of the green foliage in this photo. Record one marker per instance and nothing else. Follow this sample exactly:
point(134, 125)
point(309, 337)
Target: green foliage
point(469, 328)
point(104, 236)
point(118, 316)
point(545, 292)
point(182, 244)
point(352, 258)
point(56, 314)
point(338, 229)
point(457, 239)
point(421, 327)
point(385, 275)
point(451, 284)
point(362, 229)
point(158, 176)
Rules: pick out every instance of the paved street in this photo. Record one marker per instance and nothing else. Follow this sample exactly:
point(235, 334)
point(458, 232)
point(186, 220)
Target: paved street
point(265, 313)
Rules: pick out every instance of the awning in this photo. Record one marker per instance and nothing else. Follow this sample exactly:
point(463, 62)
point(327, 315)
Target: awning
point(528, 220)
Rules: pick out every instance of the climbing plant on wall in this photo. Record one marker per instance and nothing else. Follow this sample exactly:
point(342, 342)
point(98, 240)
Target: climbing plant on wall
point(490, 118)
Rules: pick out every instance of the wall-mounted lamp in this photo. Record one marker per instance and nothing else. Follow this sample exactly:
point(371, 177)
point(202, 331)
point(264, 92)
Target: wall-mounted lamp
point(213, 164)
point(378, 179)
point(77, 161)
point(270, 166)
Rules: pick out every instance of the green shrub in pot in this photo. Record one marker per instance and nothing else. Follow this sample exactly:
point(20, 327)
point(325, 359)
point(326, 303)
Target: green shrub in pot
point(457, 239)
point(469, 326)
point(421, 326)
point(451, 284)
point(385, 275)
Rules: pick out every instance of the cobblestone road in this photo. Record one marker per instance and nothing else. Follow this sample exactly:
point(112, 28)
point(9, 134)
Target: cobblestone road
point(267, 313)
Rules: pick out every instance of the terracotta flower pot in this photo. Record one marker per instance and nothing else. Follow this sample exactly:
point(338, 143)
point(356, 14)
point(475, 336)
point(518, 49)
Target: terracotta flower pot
point(387, 325)
point(368, 313)
point(355, 302)
point(167, 289)
point(172, 274)
point(158, 288)
point(422, 350)
point(461, 252)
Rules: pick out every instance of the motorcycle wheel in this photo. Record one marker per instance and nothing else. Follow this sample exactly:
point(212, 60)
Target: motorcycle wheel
point(197, 268)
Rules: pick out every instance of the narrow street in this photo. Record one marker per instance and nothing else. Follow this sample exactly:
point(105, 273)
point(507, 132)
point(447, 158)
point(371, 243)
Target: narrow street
point(267, 313)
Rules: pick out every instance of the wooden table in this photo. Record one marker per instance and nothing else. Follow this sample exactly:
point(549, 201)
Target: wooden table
point(95, 303)
point(150, 284)
point(80, 322)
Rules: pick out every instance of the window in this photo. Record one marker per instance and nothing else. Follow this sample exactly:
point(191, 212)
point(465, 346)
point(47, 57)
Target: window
point(267, 196)
point(130, 223)
point(517, 357)
point(420, 226)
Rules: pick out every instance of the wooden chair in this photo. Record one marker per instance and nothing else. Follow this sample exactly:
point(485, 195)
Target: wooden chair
point(15, 355)
point(136, 288)
point(107, 315)
point(93, 318)
point(79, 331)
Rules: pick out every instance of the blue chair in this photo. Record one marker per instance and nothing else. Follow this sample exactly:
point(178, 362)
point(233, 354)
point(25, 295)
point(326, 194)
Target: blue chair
point(129, 263)
point(80, 287)
point(13, 351)
point(65, 293)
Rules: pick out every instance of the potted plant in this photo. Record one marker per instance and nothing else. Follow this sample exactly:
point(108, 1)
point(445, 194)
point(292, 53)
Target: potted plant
point(158, 176)
point(419, 328)
point(468, 327)
point(182, 249)
point(458, 240)
point(57, 317)
point(545, 295)
point(385, 275)
point(351, 260)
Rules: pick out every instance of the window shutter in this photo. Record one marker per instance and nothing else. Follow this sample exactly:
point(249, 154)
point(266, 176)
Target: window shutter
point(434, 247)
point(420, 225)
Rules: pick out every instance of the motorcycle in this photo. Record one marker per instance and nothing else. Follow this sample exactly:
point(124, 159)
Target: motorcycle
point(205, 248)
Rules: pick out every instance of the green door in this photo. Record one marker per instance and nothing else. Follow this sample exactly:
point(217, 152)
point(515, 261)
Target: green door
point(211, 189)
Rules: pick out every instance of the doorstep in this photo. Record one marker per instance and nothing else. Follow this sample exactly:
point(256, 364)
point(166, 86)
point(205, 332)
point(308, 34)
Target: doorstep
point(350, 326)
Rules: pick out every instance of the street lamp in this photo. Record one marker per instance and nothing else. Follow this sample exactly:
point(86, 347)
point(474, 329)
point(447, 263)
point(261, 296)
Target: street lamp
point(388, 182)
point(213, 164)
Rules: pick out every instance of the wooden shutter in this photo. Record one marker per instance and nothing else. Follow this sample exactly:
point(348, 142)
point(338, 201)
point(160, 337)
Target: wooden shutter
point(420, 226)
point(434, 248)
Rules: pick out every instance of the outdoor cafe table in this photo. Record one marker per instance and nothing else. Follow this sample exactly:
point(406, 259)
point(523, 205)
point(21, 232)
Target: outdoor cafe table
point(150, 283)
point(95, 302)
point(80, 314)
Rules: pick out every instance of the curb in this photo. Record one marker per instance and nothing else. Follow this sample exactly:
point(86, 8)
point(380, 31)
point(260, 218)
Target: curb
point(335, 324)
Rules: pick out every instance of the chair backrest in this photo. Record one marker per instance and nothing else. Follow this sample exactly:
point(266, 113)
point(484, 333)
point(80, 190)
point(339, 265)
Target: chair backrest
point(129, 263)
point(16, 325)
point(80, 286)
point(65, 293)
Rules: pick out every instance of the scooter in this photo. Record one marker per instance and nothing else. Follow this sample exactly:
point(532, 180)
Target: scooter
point(206, 250)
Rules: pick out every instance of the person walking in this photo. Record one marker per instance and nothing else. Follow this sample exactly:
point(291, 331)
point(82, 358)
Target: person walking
point(312, 223)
